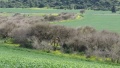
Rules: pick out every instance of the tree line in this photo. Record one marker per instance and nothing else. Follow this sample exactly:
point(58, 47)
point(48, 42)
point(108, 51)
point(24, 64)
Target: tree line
point(61, 4)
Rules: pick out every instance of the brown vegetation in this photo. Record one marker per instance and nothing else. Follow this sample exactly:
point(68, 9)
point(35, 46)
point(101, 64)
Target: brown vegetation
point(35, 32)
point(59, 17)
point(82, 11)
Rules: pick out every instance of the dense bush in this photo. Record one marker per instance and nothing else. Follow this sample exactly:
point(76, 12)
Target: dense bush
point(59, 17)
point(94, 43)
point(37, 33)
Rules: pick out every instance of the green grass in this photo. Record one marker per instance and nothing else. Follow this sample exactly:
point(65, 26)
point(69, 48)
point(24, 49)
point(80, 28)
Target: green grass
point(15, 57)
point(35, 10)
point(101, 20)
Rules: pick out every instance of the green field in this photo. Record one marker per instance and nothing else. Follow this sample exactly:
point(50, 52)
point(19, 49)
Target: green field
point(101, 20)
point(35, 10)
point(15, 57)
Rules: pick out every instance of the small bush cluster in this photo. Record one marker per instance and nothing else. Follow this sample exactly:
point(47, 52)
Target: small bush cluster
point(35, 32)
point(60, 17)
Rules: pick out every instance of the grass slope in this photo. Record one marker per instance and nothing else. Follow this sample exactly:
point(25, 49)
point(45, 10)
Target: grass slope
point(15, 57)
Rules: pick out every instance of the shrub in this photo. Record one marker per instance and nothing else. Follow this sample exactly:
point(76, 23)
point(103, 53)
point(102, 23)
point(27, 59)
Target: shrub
point(85, 30)
point(77, 44)
point(34, 32)
point(60, 17)
point(42, 45)
point(5, 29)
point(21, 36)
point(63, 32)
point(114, 54)
point(50, 18)
point(66, 48)
point(101, 43)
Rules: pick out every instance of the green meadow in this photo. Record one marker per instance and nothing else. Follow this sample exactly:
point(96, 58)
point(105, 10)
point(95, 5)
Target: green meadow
point(100, 20)
point(15, 57)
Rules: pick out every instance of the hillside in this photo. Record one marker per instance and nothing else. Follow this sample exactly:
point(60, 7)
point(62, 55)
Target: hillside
point(61, 4)
point(14, 57)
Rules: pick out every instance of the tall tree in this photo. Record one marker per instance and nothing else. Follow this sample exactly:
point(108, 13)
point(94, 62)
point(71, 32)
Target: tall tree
point(113, 9)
